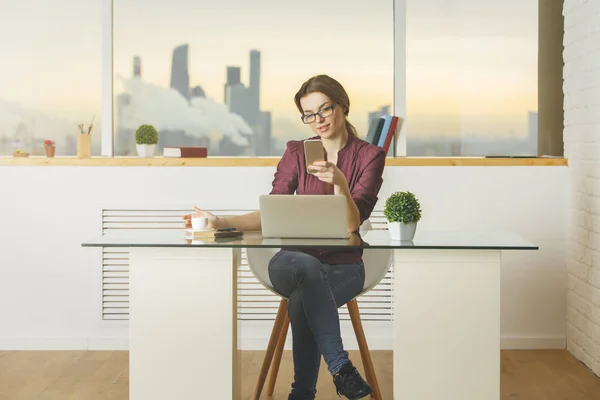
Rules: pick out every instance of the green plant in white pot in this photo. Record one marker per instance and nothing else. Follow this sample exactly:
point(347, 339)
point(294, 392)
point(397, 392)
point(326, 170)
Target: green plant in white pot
point(146, 138)
point(402, 211)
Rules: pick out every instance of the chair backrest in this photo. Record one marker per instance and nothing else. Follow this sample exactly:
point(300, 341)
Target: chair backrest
point(377, 263)
point(258, 261)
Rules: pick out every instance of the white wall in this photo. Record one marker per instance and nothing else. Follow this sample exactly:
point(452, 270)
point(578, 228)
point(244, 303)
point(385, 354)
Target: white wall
point(50, 286)
point(582, 146)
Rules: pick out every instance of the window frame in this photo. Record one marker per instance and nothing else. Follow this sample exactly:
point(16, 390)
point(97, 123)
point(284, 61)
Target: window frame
point(107, 132)
point(399, 80)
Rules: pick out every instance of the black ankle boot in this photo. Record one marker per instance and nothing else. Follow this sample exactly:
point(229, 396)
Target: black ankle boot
point(349, 383)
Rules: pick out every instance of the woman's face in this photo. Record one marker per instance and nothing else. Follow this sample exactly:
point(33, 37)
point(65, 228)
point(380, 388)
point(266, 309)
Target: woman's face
point(331, 124)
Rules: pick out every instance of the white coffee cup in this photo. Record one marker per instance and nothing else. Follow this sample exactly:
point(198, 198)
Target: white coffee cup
point(199, 223)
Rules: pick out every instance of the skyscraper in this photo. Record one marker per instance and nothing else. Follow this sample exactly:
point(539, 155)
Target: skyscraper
point(233, 75)
point(254, 87)
point(197, 91)
point(263, 136)
point(245, 101)
point(532, 125)
point(137, 66)
point(180, 77)
point(233, 78)
point(238, 102)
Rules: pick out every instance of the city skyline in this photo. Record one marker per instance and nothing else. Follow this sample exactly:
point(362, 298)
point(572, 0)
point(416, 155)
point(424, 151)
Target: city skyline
point(184, 115)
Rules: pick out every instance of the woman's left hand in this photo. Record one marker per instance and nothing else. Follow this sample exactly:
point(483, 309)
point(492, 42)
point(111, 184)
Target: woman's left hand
point(328, 172)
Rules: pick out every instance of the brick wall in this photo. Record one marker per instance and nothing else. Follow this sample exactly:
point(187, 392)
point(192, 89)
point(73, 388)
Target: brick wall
point(581, 87)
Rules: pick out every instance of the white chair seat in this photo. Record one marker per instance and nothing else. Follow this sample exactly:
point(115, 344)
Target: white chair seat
point(377, 263)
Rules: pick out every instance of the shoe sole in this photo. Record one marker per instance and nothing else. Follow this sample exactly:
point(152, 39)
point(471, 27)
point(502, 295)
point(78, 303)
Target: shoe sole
point(362, 395)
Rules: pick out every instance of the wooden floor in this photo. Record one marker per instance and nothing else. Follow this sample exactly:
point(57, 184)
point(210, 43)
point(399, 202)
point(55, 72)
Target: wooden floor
point(62, 375)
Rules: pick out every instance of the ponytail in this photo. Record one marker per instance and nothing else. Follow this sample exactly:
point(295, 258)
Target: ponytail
point(351, 129)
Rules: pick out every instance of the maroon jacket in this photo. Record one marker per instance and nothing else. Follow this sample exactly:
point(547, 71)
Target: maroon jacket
point(361, 163)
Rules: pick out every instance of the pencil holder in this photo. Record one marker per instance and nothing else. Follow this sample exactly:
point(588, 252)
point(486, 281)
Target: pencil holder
point(84, 145)
point(50, 151)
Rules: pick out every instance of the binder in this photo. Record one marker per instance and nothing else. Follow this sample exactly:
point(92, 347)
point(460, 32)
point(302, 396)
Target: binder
point(374, 131)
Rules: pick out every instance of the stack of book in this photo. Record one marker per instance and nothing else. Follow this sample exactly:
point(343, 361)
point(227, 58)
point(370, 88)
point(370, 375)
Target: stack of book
point(383, 130)
point(185, 152)
point(213, 234)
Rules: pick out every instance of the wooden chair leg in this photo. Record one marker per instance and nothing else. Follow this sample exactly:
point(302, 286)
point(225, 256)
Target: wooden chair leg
point(277, 356)
point(262, 376)
point(364, 348)
point(357, 325)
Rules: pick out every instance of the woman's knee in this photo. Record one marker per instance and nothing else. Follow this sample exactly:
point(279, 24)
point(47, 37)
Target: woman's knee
point(306, 267)
point(309, 269)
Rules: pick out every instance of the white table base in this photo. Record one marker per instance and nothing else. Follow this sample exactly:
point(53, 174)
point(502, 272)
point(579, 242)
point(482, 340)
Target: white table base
point(446, 324)
point(184, 328)
point(183, 324)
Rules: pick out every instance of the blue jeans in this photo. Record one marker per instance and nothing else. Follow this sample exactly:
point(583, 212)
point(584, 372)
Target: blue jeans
point(314, 291)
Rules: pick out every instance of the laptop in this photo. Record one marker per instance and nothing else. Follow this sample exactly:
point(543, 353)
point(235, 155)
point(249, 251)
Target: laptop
point(303, 216)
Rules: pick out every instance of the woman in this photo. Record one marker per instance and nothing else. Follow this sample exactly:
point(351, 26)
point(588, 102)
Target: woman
point(318, 280)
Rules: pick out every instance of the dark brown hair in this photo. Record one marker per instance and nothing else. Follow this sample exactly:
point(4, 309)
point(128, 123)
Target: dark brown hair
point(332, 89)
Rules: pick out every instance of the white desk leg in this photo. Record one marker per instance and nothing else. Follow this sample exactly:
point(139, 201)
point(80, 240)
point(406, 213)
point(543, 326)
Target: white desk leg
point(183, 324)
point(447, 324)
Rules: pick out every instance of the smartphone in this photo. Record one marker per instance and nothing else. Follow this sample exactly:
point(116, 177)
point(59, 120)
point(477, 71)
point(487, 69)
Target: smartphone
point(313, 151)
point(228, 234)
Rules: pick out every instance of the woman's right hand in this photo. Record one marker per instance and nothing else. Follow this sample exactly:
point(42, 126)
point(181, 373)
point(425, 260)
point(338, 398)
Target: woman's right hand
point(213, 220)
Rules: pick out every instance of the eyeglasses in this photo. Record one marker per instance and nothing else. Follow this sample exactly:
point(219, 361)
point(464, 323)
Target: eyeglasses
point(323, 113)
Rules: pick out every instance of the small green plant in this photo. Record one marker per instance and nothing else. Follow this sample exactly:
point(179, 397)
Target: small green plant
point(402, 207)
point(146, 134)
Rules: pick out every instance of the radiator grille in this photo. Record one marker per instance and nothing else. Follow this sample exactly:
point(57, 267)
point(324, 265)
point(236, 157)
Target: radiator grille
point(255, 302)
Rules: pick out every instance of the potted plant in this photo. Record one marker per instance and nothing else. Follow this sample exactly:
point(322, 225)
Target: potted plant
point(146, 138)
point(402, 211)
point(50, 147)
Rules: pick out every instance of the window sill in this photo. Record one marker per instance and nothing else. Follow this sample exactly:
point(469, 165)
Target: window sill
point(266, 161)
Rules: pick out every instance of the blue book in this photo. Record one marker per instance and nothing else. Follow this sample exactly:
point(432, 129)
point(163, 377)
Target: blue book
point(385, 131)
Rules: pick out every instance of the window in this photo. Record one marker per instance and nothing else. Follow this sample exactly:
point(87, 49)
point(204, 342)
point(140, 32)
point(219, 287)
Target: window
point(471, 77)
point(50, 77)
point(223, 74)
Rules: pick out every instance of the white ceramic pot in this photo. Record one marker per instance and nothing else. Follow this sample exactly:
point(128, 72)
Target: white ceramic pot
point(402, 232)
point(145, 150)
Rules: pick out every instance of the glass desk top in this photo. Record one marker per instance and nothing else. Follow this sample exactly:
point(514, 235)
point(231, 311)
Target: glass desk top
point(375, 239)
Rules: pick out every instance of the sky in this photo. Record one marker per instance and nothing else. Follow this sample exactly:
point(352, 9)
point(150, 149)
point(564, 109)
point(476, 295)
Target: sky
point(471, 64)
point(51, 56)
